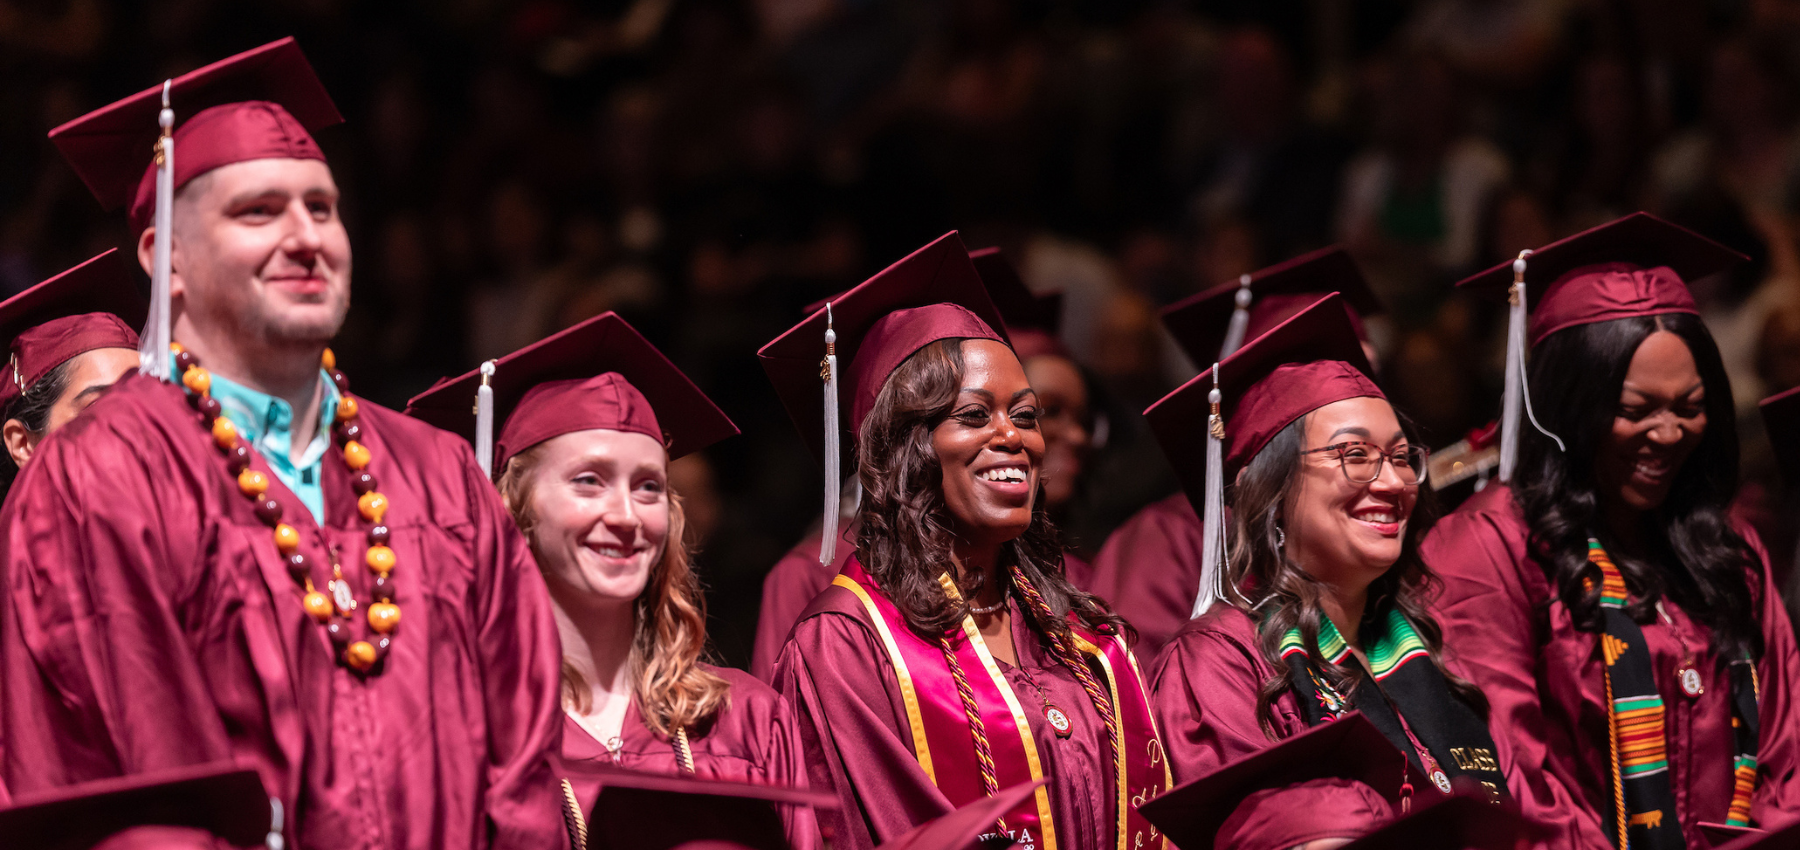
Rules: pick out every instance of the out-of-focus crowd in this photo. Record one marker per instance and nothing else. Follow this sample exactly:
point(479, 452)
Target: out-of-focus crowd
point(708, 167)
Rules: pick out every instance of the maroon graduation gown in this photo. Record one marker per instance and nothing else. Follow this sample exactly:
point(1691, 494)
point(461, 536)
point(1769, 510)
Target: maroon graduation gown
point(751, 740)
point(853, 723)
point(150, 623)
point(788, 588)
point(1546, 693)
point(1149, 571)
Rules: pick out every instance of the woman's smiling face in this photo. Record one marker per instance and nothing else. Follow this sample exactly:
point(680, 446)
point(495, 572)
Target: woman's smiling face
point(600, 514)
point(990, 448)
point(1339, 531)
point(1660, 421)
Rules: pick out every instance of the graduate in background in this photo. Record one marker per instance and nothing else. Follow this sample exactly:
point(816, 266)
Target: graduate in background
point(71, 338)
point(1317, 609)
point(587, 421)
point(220, 566)
point(952, 658)
point(1150, 565)
point(1623, 626)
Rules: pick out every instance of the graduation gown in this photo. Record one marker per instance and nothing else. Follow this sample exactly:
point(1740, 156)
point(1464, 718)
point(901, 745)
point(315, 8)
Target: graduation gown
point(751, 740)
point(788, 588)
point(1149, 571)
point(1546, 690)
point(150, 623)
point(855, 728)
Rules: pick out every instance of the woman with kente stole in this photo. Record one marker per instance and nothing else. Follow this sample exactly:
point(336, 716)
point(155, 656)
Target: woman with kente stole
point(1317, 607)
point(1623, 625)
point(952, 658)
point(589, 420)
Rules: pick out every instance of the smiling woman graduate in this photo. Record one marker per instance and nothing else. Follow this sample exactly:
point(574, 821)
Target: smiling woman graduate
point(1318, 607)
point(1623, 626)
point(952, 658)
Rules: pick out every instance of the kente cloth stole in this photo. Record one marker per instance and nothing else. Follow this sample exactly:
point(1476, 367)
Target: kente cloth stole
point(944, 740)
point(1644, 813)
point(1402, 679)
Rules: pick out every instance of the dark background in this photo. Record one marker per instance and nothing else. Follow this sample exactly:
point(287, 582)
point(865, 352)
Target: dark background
point(707, 167)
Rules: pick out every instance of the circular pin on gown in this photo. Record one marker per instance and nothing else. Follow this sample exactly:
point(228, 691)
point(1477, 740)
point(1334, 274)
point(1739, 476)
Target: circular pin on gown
point(1058, 721)
point(1690, 682)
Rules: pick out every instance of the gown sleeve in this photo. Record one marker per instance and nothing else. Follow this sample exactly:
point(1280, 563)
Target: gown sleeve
point(521, 674)
point(786, 758)
point(97, 676)
point(853, 730)
point(1149, 571)
point(1777, 796)
point(788, 588)
point(1494, 634)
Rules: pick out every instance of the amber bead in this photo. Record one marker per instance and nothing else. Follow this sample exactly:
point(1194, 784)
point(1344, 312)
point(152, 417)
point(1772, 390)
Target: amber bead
point(299, 569)
point(362, 482)
point(287, 538)
point(238, 459)
point(252, 483)
point(384, 616)
point(197, 380)
point(379, 535)
point(373, 505)
point(383, 591)
point(347, 431)
point(346, 408)
point(318, 605)
point(268, 510)
point(208, 407)
point(224, 433)
point(361, 656)
point(356, 455)
point(328, 360)
point(380, 559)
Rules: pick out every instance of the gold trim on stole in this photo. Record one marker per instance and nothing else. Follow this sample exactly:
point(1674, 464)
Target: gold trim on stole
point(908, 694)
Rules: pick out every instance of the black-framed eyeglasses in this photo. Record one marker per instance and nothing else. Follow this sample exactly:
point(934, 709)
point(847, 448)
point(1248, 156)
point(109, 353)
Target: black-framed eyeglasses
point(1362, 462)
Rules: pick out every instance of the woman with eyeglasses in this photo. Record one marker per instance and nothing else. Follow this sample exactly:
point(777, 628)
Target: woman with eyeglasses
point(1317, 607)
point(1622, 623)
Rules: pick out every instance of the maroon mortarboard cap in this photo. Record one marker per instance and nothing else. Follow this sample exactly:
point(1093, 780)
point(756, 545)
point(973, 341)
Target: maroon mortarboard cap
point(1634, 266)
point(600, 374)
point(654, 811)
point(1348, 749)
point(963, 828)
point(1201, 322)
point(1781, 418)
point(934, 293)
point(259, 104)
point(221, 799)
point(1783, 835)
point(1462, 821)
point(1303, 364)
point(1032, 320)
point(91, 306)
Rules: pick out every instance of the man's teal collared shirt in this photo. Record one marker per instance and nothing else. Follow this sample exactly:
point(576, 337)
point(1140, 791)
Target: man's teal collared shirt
point(267, 422)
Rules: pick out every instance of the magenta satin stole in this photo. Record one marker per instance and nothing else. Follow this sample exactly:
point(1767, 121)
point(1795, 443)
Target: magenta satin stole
point(945, 746)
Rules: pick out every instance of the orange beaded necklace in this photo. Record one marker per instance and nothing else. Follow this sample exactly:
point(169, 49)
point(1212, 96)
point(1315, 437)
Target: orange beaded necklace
point(334, 610)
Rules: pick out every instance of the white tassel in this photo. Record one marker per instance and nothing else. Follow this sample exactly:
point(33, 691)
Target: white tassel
point(153, 347)
point(1514, 369)
point(484, 421)
point(1240, 319)
point(1212, 530)
point(828, 371)
point(275, 840)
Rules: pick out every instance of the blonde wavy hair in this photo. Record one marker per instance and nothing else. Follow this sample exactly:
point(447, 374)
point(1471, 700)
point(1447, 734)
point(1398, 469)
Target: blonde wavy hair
point(668, 641)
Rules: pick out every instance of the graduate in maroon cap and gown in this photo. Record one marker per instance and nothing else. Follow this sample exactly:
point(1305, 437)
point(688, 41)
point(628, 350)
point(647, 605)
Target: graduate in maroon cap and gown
point(952, 658)
point(582, 460)
point(1032, 322)
point(1623, 626)
point(1319, 608)
point(1150, 565)
point(217, 569)
point(71, 338)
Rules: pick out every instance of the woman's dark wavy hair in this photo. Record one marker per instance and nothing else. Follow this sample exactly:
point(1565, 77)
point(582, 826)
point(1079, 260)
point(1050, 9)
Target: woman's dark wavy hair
point(1281, 595)
point(904, 538)
point(1695, 557)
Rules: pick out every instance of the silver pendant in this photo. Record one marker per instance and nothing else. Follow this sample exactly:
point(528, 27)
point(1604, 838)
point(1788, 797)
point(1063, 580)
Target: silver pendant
point(1690, 682)
point(341, 596)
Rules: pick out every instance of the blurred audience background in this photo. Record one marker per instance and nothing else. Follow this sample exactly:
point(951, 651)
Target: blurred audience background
point(708, 167)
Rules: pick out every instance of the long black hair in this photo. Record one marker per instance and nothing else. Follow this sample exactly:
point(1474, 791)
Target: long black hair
point(1693, 556)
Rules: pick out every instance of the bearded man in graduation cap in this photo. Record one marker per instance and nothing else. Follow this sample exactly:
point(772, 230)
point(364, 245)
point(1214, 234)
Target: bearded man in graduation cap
point(215, 567)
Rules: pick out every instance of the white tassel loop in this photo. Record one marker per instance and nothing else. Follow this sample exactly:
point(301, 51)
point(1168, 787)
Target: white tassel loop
point(1212, 534)
point(1240, 319)
point(828, 373)
point(1516, 313)
point(153, 345)
point(484, 421)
